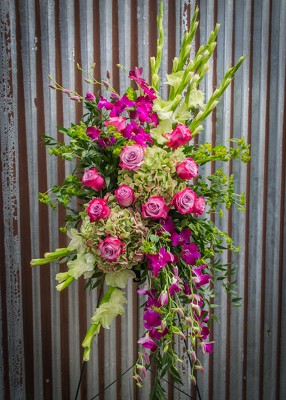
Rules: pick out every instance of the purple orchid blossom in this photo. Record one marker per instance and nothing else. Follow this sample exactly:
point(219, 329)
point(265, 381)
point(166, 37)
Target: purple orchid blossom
point(190, 253)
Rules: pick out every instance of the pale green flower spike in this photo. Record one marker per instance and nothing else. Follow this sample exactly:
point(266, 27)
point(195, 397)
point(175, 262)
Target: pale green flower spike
point(119, 279)
point(50, 257)
point(110, 307)
point(213, 101)
point(156, 62)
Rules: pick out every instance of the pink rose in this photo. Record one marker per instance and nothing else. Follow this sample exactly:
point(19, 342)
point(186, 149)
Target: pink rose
point(180, 135)
point(187, 169)
point(97, 209)
point(93, 132)
point(124, 195)
point(184, 201)
point(200, 206)
point(131, 157)
point(111, 248)
point(155, 208)
point(118, 122)
point(92, 179)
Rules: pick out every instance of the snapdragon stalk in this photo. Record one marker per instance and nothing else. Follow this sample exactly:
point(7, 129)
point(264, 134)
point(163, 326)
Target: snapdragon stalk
point(156, 62)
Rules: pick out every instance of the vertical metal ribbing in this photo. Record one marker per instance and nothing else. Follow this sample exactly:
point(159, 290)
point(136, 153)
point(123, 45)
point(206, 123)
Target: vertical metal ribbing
point(240, 129)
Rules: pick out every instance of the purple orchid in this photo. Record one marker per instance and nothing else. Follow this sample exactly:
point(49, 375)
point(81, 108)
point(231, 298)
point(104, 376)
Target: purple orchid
point(200, 279)
point(158, 333)
point(152, 319)
point(174, 288)
point(148, 343)
point(106, 142)
point(158, 261)
point(168, 225)
point(93, 132)
point(190, 253)
point(206, 347)
point(103, 103)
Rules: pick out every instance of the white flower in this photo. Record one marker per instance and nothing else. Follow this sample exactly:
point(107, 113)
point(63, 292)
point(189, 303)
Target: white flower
point(83, 263)
point(77, 242)
point(105, 313)
point(119, 279)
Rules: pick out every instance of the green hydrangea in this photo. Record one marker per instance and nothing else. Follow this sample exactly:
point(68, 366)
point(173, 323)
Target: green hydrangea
point(157, 175)
point(123, 223)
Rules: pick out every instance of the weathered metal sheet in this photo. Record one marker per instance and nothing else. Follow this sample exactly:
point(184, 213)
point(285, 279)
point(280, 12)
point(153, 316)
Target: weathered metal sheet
point(41, 330)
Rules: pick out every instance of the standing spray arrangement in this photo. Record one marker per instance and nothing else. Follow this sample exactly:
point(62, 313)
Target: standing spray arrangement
point(144, 207)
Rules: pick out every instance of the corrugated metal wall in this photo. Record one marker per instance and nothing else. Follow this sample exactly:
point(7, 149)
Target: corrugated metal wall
point(41, 330)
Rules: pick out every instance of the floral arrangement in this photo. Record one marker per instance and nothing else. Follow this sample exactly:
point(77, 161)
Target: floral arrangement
point(144, 207)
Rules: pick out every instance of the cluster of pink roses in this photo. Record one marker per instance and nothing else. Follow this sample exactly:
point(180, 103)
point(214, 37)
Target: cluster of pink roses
point(131, 158)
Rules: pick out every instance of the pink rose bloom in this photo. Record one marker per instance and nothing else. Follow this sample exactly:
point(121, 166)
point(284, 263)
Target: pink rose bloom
point(92, 179)
point(118, 122)
point(184, 201)
point(187, 169)
point(200, 206)
point(111, 248)
point(93, 132)
point(124, 195)
point(97, 209)
point(180, 135)
point(131, 157)
point(155, 208)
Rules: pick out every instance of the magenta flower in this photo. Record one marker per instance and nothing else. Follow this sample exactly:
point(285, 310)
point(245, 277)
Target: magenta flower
point(106, 142)
point(158, 261)
point(97, 209)
point(155, 207)
point(135, 132)
point(200, 278)
point(200, 206)
point(93, 132)
point(155, 119)
point(159, 332)
point(190, 253)
point(184, 201)
point(152, 319)
point(187, 169)
point(131, 157)
point(187, 289)
point(180, 136)
point(124, 195)
point(148, 343)
point(206, 347)
point(182, 238)
point(174, 288)
point(93, 179)
point(168, 225)
point(205, 332)
point(103, 103)
point(90, 96)
point(111, 248)
point(136, 75)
